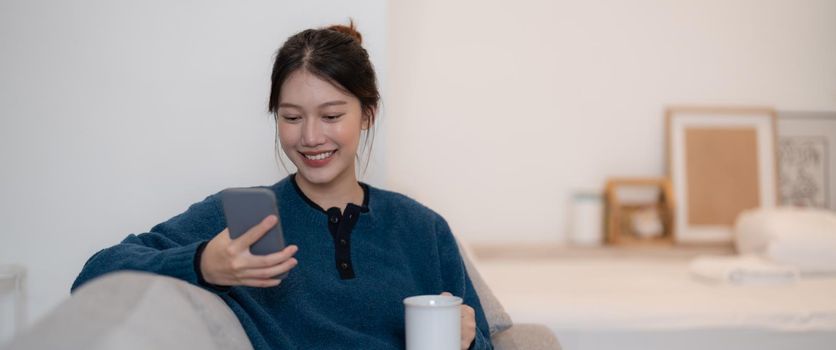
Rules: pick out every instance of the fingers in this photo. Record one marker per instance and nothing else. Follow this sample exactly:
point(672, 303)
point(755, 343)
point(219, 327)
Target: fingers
point(228, 262)
point(261, 283)
point(254, 233)
point(261, 261)
point(270, 272)
point(468, 312)
point(468, 323)
point(224, 236)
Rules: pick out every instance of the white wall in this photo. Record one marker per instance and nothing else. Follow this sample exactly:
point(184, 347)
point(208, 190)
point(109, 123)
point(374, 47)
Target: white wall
point(116, 115)
point(499, 110)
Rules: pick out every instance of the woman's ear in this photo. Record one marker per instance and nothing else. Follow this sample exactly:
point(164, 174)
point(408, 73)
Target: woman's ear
point(368, 118)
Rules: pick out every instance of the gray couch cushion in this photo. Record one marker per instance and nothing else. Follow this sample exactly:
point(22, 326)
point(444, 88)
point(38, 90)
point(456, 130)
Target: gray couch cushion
point(526, 336)
point(132, 310)
point(498, 319)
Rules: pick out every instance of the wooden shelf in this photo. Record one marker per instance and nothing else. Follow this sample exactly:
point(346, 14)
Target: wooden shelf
point(536, 251)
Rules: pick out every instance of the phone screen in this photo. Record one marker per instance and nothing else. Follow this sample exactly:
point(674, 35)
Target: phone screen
point(245, 208)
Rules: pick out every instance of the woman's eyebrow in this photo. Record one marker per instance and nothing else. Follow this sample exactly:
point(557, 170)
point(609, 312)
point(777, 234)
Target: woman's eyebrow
point(333, 103)
point(326, 104)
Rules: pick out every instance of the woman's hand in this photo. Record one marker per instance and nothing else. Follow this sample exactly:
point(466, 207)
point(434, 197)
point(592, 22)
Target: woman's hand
point(468, 324)
point(228, 262)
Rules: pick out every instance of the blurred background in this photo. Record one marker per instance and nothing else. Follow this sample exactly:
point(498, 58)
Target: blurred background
point(116, 115)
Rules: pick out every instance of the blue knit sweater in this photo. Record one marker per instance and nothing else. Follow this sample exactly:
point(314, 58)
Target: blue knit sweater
point(330, 300)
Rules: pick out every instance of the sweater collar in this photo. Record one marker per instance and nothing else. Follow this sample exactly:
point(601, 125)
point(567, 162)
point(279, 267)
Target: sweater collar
point(364, 208)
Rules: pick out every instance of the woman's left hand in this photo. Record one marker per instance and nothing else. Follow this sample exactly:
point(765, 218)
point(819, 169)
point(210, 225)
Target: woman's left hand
point(468, 324)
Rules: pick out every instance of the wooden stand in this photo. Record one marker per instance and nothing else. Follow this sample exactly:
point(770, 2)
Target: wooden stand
point(620, 214)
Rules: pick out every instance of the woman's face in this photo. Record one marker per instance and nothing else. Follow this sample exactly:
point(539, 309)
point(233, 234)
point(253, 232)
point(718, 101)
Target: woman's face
point(319, 128)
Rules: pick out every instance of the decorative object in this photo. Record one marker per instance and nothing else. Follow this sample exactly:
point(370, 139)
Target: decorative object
point(807, 159)
point(639, 211)
point(721, 161)
point(586, 224)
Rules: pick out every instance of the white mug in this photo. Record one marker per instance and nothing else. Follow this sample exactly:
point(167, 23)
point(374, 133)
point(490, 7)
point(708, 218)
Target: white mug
point(433, 322)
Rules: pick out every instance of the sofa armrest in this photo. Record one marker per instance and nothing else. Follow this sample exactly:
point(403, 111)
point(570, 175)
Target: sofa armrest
point(525, 336)
point(133, 310)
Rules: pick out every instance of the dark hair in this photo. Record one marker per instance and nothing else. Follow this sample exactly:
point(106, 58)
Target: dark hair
point(334, 54)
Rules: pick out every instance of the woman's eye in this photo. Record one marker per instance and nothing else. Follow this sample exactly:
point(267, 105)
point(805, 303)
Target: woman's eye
point(291, 118)
point(332, 117)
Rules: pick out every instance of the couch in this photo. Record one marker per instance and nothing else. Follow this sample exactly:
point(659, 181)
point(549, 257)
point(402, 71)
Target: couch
point(136, 310)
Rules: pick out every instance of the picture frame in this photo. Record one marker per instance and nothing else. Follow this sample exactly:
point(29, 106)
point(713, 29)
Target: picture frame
point(721, 161)
point(638, 211)
point(807, 158)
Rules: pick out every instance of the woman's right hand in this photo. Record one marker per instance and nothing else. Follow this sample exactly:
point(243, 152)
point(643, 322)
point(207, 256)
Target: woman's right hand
point(228, 262)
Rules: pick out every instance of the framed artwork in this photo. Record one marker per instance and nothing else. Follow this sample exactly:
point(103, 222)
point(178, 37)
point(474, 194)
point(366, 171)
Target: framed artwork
point(721, 161)
point(807, 159)
point(638, 211)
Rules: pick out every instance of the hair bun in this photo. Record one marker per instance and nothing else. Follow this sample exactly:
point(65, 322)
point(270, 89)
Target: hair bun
point(349, 30)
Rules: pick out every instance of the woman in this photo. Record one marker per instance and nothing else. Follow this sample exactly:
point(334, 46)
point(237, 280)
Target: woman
point(350, 265)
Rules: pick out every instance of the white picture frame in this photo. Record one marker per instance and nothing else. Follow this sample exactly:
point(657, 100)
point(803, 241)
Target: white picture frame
point(707, 215)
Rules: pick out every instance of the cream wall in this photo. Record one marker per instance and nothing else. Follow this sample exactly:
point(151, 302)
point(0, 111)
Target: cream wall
point(498, 111)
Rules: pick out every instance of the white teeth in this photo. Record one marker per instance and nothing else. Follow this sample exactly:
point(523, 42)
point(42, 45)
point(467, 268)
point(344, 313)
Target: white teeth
point(320, 156)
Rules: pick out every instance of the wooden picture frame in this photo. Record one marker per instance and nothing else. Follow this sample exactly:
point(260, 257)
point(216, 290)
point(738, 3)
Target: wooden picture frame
point(721, 161)
point(639, 211)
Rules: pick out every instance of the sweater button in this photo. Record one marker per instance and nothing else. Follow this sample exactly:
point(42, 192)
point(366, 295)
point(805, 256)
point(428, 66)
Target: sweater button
point(335, 219)
point(343, 242)
point(344, 266)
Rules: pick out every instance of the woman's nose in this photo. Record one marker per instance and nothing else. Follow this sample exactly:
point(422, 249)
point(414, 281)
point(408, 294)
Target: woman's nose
point(312, 135)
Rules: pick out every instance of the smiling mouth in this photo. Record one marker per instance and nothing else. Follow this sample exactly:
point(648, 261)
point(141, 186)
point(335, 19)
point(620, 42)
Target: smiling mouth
point(319, 156)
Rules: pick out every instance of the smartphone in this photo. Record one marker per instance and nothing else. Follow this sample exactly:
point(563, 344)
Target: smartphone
point(245, 208)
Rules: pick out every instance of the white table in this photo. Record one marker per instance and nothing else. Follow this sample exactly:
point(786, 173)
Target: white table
point(611, 298)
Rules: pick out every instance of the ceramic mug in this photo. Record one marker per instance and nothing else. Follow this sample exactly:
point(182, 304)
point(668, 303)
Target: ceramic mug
point(433, 322)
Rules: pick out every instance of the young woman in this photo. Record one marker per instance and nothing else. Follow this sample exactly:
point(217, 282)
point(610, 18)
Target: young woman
point(354, 251)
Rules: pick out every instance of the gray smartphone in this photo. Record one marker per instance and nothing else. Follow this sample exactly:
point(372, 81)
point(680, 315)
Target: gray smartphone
point(245, 208)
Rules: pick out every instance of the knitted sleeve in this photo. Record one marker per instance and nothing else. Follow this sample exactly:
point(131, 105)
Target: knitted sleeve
point(457, 282)
point(170, 248)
